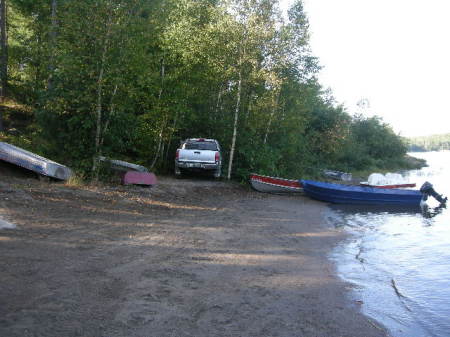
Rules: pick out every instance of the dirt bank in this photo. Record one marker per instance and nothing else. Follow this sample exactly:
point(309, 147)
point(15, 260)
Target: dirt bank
point(190, 257)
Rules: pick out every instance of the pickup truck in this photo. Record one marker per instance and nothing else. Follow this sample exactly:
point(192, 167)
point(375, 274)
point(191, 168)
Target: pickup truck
point(198, 154)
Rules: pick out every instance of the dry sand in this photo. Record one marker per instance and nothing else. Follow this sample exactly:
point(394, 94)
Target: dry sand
point(189, 257)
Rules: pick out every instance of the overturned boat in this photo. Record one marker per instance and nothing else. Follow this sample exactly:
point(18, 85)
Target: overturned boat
point(129, 173)
point(139, 178)
point(337, 175)
point(120, 165)
point(33, 162)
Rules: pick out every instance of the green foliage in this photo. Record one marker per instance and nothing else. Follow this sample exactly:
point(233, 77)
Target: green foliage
point(140, 75)
point(429, 143)
point(372, 144)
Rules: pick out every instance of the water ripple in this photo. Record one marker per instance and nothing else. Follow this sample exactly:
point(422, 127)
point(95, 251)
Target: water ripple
point(399, 259)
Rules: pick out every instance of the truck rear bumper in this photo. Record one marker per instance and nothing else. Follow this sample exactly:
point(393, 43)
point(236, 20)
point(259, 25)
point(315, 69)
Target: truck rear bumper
point(197, 165)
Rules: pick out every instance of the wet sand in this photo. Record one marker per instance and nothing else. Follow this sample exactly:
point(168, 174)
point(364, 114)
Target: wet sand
point(189, 257)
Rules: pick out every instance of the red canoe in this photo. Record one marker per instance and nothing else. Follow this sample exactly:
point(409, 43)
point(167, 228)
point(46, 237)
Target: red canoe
point(274, 185)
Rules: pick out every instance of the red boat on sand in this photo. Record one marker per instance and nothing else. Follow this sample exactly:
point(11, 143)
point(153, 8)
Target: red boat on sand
point(275, 185)
point(139, 178)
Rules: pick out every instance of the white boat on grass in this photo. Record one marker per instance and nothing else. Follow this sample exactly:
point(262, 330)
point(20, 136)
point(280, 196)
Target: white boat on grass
point(33, 162)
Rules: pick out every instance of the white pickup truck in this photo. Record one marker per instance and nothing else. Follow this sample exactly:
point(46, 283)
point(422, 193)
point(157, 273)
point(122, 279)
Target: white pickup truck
point(199, 154)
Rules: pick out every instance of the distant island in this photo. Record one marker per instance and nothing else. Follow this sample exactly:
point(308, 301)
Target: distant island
point(429, 143)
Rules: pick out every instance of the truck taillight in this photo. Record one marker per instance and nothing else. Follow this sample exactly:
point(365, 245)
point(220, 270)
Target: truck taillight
point(177, 154)
point(217, 157)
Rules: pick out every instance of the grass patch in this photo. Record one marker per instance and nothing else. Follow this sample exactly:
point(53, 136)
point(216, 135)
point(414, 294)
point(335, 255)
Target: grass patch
point(76, 180)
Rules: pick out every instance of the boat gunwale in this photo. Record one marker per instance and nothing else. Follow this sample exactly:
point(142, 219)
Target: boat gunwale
point(293, 186)
point(390, 186)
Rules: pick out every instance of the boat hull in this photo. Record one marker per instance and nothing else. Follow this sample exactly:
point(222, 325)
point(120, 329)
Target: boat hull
point(275, 185)
point(337, 175)
point(344, 194)
point(120, 165)
point(33, 162)
point(139, 178)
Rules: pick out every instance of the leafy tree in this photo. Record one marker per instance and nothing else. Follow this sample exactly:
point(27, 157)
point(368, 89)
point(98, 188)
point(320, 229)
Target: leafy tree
point(144, 74)
point(429, 143)
point(372, 143)
point(3, 58)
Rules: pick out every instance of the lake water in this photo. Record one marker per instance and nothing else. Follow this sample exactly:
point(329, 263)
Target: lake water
point(399, 260)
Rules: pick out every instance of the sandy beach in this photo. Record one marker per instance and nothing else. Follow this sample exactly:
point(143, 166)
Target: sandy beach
point(188, 257)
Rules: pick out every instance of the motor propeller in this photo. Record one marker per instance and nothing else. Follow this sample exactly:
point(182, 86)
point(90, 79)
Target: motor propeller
point(428, 190)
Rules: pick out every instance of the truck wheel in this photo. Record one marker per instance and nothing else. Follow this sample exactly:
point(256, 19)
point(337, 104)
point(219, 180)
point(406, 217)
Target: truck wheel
point(216, 174)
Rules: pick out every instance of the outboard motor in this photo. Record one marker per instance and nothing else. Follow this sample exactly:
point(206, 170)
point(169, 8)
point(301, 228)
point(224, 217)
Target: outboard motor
point(428, 190)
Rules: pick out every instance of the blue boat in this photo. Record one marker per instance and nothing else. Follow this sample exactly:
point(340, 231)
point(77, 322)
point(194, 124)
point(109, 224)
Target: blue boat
point(345, 194)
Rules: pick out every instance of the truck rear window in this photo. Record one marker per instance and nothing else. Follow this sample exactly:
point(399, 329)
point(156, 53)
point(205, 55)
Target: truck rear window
point(200, 146)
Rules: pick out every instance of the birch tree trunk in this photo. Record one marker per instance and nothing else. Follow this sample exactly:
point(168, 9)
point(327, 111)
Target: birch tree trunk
point(160, 143)
point(169, 142)
point(163, 125)
point(3, 58)
point(272, 115)
point(163, 74)
point(99, 105)
point(105, 128)
point(236, 117)
point(51, 65)
point(219, 99)
point(213, 116)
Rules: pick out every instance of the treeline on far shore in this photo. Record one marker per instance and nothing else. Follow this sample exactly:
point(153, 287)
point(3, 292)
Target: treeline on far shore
point(130, 79)
point(429, 143)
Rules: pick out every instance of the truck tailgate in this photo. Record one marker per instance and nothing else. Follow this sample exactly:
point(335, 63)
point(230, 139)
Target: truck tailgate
point(200, 156)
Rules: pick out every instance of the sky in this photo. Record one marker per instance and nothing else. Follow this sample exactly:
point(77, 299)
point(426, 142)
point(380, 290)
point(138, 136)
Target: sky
point(394, 54)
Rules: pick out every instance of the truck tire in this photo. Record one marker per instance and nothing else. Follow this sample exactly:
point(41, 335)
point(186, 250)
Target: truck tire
point(216, 173)
point(177, 172)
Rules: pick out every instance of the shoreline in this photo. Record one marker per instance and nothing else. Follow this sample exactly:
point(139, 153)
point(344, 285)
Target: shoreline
point(189, 257)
